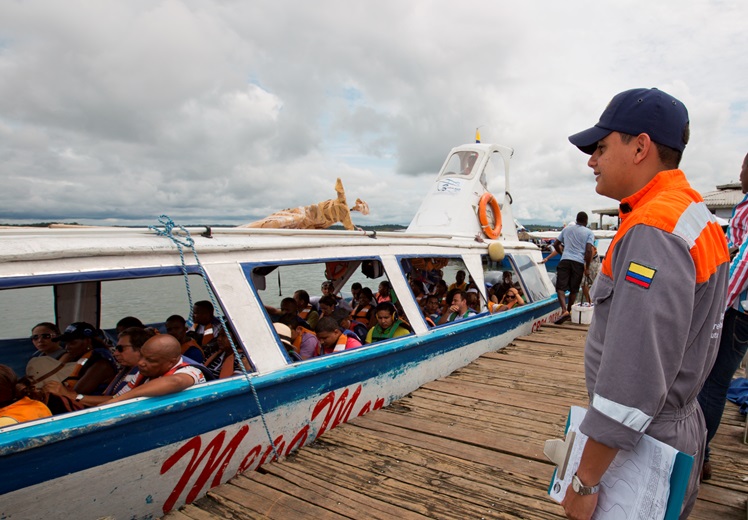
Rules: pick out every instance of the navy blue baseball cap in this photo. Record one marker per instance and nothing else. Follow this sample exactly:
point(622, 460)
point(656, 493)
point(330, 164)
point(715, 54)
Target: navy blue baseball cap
point(639, 111)
point(77, 330)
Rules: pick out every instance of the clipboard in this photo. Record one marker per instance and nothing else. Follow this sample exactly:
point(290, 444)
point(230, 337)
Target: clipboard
point(560, 453)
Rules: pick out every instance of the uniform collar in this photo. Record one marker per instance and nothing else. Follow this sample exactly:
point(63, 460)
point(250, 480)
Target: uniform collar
point(664, 181)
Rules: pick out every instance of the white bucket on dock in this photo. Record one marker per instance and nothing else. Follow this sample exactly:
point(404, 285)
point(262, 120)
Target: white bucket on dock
point(582, 313)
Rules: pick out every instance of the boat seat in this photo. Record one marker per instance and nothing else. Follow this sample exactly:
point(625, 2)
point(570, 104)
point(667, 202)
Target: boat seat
point(16, 354)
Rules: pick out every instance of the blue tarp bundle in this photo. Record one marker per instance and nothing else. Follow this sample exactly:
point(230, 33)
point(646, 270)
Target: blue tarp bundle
point(738, 393)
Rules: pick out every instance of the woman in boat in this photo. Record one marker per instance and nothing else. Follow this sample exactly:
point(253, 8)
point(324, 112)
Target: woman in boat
point(388, 326)
point(18, 402)
point(41, 337)
point(127, 354)
point(95, 366)
point(512, 298)
point(418, 292)
point(363, 312)
point(384, 293)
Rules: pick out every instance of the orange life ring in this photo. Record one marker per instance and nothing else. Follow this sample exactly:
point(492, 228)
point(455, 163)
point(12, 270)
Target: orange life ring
point(335, 270)
point(486, 199)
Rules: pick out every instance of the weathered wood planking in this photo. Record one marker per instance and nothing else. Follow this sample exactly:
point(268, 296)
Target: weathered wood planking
point(466, 446)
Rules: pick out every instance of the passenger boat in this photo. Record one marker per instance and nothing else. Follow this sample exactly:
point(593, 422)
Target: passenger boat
point(144, 457)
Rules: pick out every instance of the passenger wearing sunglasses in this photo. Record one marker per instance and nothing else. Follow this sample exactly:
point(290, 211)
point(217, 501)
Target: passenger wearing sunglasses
point(127, 354)
point(41, 337)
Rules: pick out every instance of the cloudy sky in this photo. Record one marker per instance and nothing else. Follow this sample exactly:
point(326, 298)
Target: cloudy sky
point(223, 112)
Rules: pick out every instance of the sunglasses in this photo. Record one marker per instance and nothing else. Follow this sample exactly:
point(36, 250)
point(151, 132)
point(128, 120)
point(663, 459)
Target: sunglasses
point(121, 348)
point(41, 336)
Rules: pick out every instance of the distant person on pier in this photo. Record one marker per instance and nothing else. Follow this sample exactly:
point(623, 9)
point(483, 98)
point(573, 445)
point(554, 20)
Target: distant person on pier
point(574, 244)
point(734, 342)
point(659, 297)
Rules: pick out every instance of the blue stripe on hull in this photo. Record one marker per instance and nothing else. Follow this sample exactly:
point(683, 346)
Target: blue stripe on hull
point(113, 433)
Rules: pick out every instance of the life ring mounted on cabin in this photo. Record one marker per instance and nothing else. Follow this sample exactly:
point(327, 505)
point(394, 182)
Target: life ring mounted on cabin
point(486, 200)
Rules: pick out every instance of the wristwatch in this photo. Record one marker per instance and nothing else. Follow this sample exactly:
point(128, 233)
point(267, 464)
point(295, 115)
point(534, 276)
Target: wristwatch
point(581, 489)
point(79, 397)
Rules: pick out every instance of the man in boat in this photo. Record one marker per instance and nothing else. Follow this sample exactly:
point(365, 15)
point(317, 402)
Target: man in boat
point(306, 310)
point(303, 339)
point(206, 326)
point(734, 342)
point(459, 309)
point(162, 370)
point(176, 326)
point(574, 244)
point(460, 282)
point(315, 216)
point(332, 339)
point(659, 296)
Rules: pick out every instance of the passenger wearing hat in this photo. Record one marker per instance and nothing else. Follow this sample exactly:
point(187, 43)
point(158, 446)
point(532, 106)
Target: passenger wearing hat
point(95, 365)
point(659, 296)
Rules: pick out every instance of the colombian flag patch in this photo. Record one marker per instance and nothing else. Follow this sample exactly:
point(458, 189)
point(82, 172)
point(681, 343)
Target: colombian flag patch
point(640, 275)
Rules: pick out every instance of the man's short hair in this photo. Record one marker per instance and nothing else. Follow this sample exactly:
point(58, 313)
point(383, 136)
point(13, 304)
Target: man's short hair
point(204, 305)
point(670, 157)
point(129, 321)
point(302, 295)
point(328, 300)
point(176, 318)
point(582, 218)
point(327, 325)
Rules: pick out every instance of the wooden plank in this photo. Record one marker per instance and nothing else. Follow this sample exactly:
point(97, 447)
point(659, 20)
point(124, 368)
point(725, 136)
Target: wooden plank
point(465, 446)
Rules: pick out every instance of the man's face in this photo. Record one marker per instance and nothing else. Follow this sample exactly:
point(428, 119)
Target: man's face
point(299, 303)
point(432, 305)
point(288, 308)
point(177, 329)
point(385, 319)
point(611, 163)
point(201, 316)
point(326, 289)
point(328, 339)
point(151, 363)
point(462, 304)
point(460, 277)
point(744, 175)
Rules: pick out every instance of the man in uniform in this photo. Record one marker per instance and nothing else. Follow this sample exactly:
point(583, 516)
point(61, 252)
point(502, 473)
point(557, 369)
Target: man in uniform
point(659, 297)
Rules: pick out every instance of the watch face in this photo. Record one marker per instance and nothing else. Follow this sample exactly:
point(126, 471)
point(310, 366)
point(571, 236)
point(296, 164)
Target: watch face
point(575, 484)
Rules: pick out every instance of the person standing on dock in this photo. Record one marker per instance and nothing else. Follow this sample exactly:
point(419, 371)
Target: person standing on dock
point(659, 297)
point(734, 342)
point(574, 244)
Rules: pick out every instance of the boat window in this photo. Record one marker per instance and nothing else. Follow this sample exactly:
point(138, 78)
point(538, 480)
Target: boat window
point(494, 177)
point(461, 164)
point(101, 303)
point(313, 298)
point(433, 282)
point(526, 276)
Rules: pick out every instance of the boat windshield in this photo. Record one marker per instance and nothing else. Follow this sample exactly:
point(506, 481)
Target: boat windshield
point(461, 164)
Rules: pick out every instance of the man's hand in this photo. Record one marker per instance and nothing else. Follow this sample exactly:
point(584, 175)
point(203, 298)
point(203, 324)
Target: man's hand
point(57, 388)
point(578, 507)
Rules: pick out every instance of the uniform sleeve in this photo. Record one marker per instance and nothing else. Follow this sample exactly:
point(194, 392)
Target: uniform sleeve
point(195, 373)
point(646, 332)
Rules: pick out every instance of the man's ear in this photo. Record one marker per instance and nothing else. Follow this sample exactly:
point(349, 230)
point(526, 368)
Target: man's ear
point(644, 146)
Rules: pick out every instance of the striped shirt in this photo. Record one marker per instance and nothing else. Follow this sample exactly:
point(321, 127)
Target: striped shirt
point(736, 237)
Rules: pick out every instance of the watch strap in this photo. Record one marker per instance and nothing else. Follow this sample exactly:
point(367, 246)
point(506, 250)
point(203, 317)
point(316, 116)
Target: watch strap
point(581, 489)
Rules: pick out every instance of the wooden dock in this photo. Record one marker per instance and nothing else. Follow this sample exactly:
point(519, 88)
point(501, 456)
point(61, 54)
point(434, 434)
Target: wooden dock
point(466, 446)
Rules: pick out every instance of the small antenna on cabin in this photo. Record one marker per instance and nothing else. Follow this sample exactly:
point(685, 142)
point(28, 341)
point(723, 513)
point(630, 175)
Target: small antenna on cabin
point(477, 135)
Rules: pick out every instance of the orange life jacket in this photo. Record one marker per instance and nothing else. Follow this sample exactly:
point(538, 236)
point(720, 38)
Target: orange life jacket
point(25, 409)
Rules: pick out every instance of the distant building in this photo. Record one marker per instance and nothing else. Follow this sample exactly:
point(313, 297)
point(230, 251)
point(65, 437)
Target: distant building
point(721, 202)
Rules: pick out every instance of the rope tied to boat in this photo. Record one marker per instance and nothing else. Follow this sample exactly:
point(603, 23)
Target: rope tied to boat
point(168, 232)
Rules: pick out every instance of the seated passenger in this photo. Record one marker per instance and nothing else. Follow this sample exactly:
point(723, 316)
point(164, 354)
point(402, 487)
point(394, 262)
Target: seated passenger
point(441, 290)
point(460, 282)
point(418, 292)
point(287, 305)
point(162, 370)
point(458, 310)
point(332, 339)
point(364, 310)
point(15, 404)
point(304, 340)
point(306, 311)
point(206, 325)
point(127, 322)
point(499, 290)
point(473, 300)
point(387, 326)
point(511, 299)
point(328, 289)
point(385, 292)
point(327, 305)
point(355, 290)
point(432, 311)
point(127, 354)
point(223, 363)
point(41, 337)
point(177, 326)
point(284, 334)
point(95, 366)
point(343, 318)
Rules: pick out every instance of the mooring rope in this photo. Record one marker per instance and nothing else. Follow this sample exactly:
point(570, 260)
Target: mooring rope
point(168, 232)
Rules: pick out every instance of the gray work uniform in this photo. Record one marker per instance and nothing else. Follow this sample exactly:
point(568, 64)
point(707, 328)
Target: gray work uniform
point(654, 337)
